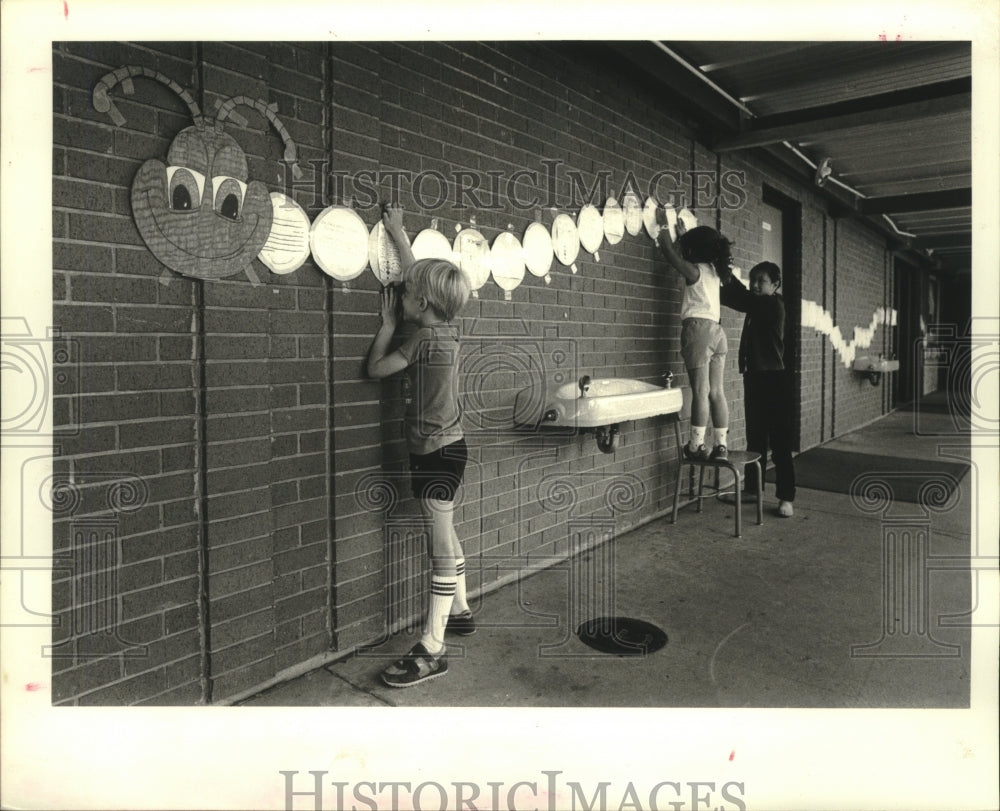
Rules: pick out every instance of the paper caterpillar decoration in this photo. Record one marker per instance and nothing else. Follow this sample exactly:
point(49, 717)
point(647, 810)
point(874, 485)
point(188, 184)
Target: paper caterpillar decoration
point(199, 213)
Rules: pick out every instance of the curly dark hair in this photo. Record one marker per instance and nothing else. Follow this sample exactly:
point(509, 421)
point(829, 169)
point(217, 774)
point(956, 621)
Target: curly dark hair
point(705, 244)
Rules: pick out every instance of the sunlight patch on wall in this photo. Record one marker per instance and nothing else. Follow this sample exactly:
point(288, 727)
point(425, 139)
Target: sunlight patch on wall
point(813, 315)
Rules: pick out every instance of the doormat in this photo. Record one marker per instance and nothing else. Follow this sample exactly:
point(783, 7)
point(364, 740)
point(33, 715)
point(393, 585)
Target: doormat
point(621, 636)
point(834, 472)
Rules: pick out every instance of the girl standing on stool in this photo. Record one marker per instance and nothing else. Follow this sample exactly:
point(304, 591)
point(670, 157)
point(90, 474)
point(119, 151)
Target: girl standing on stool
point(767, 395)
point(433, 292)
point(702, 257)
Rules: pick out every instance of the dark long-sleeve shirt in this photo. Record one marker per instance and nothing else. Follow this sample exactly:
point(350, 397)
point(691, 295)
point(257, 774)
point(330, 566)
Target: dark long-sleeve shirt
point(762, 344)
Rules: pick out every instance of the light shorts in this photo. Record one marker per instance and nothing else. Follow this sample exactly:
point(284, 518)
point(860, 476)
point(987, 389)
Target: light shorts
point(437, 475)
point(702, 341)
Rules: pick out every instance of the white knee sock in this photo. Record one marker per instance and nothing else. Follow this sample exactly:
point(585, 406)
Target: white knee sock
point(461, 601)
point(442, 595)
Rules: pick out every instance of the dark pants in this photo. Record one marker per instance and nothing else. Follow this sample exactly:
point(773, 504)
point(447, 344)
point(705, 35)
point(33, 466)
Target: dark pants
point(767, 403)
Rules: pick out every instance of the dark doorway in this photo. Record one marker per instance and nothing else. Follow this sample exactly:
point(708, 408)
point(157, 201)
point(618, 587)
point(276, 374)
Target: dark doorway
point(781, 232)
point(906, 299)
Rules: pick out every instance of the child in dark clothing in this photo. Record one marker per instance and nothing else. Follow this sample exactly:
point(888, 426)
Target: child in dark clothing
point(767, 396)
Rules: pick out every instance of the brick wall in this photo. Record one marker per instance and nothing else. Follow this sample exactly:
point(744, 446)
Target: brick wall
point(268, 522)
point(215, 395)
point(861, 288)
point(814, 365)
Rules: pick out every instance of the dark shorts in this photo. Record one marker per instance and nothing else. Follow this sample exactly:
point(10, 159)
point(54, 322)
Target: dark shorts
point(438, 474)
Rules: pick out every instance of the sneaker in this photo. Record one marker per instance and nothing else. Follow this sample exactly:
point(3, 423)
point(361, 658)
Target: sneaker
point(785, 509)
point(419, 665)
point(719, 452)
point(462, 624)
point(699, 454)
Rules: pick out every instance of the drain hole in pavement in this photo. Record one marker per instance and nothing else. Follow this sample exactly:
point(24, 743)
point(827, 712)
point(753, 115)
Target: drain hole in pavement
point(621, 636)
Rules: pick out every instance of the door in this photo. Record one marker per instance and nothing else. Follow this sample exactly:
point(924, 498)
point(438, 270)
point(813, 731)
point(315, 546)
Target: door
point(772, 230)
point(907, 304)
point(781, 243)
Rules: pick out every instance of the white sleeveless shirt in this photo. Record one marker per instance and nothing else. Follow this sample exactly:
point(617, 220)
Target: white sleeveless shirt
point(701, 299)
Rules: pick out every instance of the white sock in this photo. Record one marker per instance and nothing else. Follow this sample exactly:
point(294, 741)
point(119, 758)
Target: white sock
point(720, 436)
point(461, 601)
point(697, 436)
point(442, 595)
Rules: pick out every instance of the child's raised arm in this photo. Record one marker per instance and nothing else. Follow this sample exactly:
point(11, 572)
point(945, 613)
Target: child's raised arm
point(392, 219)
point(379, 363)
point(688, 270)
point(734, 294)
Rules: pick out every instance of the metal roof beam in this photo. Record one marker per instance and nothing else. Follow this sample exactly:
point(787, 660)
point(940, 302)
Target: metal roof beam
point(921, 201)
point(766, 131)
point(945, 241)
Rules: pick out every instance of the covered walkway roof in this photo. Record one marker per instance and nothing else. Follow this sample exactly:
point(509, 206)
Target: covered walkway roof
point(884, 128)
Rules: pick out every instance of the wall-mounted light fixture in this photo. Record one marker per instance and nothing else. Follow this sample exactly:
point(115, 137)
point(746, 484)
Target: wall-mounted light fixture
point(823, 171)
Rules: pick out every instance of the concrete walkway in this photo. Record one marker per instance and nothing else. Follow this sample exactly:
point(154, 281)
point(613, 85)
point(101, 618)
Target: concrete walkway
point(786, 616)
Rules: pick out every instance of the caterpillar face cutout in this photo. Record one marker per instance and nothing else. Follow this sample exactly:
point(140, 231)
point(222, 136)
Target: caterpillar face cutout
point(199, 213)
